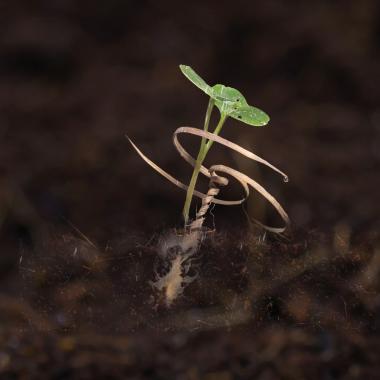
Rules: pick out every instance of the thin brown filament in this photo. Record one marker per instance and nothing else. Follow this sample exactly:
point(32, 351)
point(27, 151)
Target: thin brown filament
point(216, 180)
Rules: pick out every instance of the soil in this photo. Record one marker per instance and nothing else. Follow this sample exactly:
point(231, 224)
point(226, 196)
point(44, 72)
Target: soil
point(81, 215)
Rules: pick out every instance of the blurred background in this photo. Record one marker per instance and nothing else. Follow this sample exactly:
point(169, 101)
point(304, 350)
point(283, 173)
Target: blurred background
point(77, 76)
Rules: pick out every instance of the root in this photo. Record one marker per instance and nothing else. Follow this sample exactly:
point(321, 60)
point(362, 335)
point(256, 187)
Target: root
point(176, 252)
point(172, 284)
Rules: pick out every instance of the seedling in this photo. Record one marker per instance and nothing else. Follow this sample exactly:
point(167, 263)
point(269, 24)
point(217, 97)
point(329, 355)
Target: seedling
point(231, 104)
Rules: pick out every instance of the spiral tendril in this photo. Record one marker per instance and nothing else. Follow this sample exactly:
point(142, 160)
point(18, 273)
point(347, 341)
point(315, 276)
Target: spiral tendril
point(216, 180)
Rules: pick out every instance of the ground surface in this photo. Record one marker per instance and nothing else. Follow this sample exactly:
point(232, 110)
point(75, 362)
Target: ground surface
point(81, 214)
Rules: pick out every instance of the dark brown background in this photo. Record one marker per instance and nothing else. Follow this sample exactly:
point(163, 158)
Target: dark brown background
point(76, 76)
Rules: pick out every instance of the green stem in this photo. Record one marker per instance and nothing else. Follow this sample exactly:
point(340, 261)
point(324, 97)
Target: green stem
point(190, 190)
point(217, 130)
point(203, 150)
point(210, 107)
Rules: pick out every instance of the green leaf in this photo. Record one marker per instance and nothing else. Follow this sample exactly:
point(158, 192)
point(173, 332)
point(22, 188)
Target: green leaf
point(229, 101)
point(227, 98)
point(193, 77)
point(232, 103)
point(250, 115)
point(226, 94)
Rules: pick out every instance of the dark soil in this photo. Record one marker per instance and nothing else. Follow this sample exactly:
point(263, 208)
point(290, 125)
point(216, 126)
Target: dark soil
point(81, 214)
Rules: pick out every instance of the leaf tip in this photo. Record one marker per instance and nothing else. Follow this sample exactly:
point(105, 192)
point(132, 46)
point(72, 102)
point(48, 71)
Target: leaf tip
point(264, 119)
point(183, 68)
